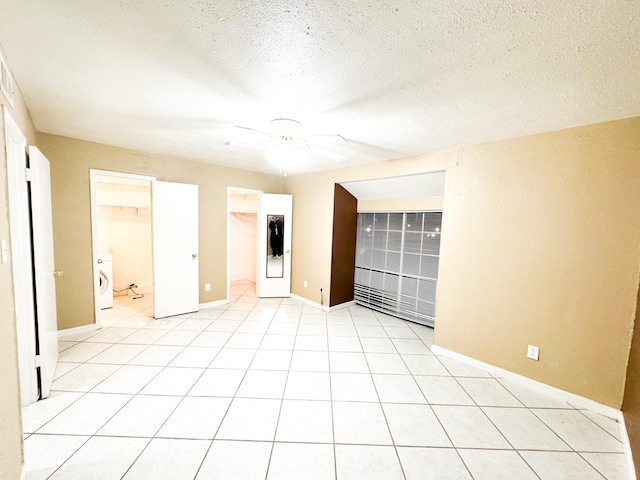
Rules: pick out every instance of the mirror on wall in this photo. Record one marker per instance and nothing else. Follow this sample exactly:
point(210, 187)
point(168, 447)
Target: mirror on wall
point(275, 237)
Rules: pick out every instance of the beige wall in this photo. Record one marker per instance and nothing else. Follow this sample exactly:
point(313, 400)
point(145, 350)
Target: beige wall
point(11, 445)
point(540, 245)
point(71, 161)
point(125, 233)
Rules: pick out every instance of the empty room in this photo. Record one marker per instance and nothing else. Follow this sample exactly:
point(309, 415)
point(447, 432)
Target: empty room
point(320, 240)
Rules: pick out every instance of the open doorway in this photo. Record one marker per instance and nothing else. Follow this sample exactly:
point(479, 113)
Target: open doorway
point(122, 247)
point(398, 244)
point(242, 239)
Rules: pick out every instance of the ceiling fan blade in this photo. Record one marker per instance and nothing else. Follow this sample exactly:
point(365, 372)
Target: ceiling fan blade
point(336, 157)
point(254, 130)
point(332, 138)
point(286, 132)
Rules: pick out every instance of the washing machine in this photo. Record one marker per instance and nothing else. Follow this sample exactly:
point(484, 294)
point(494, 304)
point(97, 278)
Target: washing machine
point(105, 267)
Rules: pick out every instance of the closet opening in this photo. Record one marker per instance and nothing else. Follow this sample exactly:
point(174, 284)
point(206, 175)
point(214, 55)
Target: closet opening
point(397, 263)
point(243, 207)
point(397, 239)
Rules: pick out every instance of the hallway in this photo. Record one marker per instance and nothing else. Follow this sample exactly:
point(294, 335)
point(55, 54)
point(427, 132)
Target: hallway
point(276, 389)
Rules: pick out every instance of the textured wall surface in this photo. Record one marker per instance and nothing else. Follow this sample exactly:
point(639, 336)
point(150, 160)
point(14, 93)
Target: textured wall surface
point(71, 161)
point(540, 245)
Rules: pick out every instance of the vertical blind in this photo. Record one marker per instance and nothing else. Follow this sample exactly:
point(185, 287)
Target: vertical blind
point(397, 258)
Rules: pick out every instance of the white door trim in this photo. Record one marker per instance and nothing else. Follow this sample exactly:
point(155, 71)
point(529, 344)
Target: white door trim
point(20, 254)
point(93, 173)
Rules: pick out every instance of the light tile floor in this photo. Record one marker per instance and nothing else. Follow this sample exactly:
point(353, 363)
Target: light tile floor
point(275, 389)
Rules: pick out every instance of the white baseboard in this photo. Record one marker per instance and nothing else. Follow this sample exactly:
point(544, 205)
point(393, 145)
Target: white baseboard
point(77, 330)
point(325, 308)
point(341, 306)
point(571, 398)
point(309, 302)
point(215, 303)
point(577, 401)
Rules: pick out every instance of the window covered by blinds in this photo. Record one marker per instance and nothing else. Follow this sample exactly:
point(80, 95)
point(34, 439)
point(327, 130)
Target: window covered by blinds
point(397, 258)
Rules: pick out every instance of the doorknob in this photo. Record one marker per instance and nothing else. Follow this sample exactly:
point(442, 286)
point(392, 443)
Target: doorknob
point(57, 273)
point(194, 256)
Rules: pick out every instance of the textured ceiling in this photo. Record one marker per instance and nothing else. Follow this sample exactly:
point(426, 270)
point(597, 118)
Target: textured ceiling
point(394, 78)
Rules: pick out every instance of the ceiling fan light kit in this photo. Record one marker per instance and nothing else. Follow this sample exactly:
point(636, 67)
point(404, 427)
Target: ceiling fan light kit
point(286, 127)
point(287, 143)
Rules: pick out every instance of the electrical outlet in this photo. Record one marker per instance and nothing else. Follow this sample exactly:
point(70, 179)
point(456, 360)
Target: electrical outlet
point(533, 352)
point(207, 287)
point(305, 284)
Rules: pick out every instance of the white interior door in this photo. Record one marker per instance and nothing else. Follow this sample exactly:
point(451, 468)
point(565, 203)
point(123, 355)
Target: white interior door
point(43, 262)
point(274, 234)
point(20, 250)
point(175, 248)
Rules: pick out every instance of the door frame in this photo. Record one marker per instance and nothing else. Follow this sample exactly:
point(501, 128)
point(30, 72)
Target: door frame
point(93, 173)
point(240, 191)
point(21, 260)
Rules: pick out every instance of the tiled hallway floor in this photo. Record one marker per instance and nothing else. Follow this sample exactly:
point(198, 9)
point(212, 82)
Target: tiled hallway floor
point(277, 389)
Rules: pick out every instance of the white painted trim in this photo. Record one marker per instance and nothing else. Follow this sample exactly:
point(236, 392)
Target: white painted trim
point(577, 401)
point(21, 264)
point(216, 303)
point(341, 306)
point(23, 471)
point(77, 330)
point(324, 308)
point(624, 435)
point(309, 302)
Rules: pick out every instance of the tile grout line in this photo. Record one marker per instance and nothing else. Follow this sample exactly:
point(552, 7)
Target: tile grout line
point(275, 431)
point(333, 428)
point(230, 403)
point(397, 349)
point(384, 414)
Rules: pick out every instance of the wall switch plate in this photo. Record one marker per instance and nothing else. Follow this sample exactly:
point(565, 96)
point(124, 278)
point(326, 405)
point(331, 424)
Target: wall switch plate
point(305, 284)
point(533, 352)
point(207, 287)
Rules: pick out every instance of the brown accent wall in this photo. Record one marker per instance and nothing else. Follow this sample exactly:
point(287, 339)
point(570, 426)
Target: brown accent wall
point(71, 160)
point(631, 403)
point(343, 250)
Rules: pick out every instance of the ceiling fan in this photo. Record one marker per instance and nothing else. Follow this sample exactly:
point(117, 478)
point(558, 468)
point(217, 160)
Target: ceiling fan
point(286, 133)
